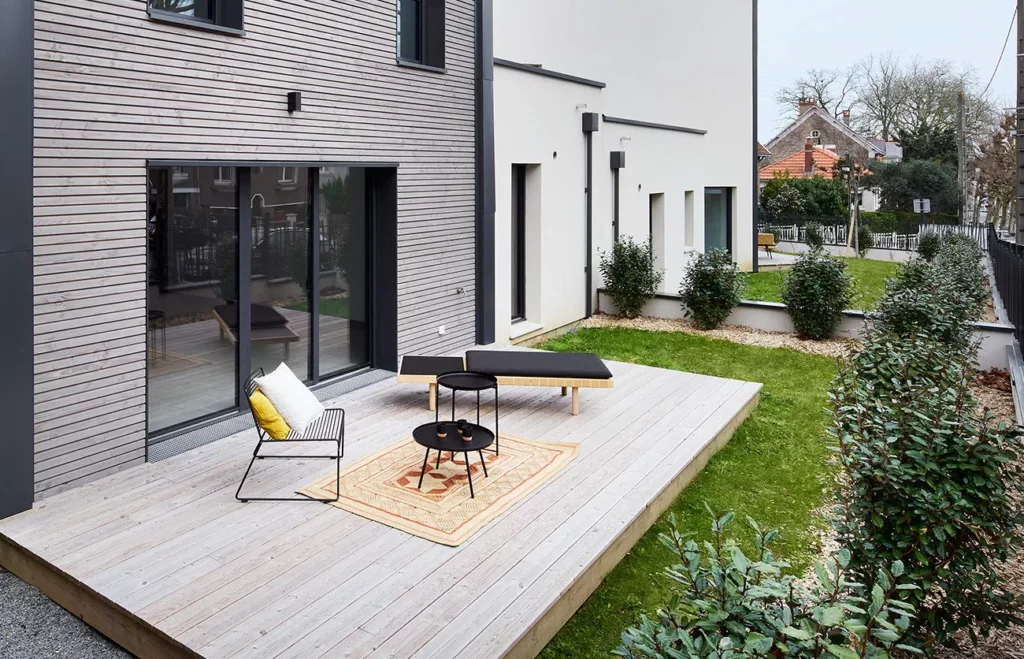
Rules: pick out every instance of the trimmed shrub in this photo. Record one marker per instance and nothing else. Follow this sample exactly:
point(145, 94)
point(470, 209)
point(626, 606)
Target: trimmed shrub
point(928, 245)
point(814, 235)
point(711, 288)
point(865, 240)
point(816, 291)
point(929, 481)
point(729, 605)
point(630, 277)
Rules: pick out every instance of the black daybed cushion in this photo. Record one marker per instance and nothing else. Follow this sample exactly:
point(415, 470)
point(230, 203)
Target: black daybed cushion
point(430, 365)
point(538, 364)
point(262, 316)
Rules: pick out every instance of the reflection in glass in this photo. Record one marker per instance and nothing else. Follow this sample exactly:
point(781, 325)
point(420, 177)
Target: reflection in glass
point(193, 244)
point(344, 276)
point(409, 30)
point(196, 8)
point(716, 218)
point(281, 285)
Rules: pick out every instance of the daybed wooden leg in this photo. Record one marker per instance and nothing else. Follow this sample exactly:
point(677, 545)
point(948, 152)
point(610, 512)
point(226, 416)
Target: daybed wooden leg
point(575, 401)
point(565, 390)
point(433, 397)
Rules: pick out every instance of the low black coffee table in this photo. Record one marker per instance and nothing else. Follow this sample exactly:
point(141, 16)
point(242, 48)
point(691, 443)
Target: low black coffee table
point(426, 435)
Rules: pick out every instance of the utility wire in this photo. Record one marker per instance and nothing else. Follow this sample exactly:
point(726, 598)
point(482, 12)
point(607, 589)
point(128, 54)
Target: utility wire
point(1013, 21)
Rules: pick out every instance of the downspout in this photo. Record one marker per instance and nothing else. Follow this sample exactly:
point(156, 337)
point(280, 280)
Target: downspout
point(591, 124)
point(618, 161)
point(485, 197)
point(757, 174)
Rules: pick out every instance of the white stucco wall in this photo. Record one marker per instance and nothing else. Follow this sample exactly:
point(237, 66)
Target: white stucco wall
point(677, 62)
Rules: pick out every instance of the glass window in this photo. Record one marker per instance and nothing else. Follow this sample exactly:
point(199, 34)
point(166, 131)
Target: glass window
point(409, 29)
point(344, 270)
point(281, 284)
point(202, 9)
point(193, 285)
point(518, 234)
point(717, 219)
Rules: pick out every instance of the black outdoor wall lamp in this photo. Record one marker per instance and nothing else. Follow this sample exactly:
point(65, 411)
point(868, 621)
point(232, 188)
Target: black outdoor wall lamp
point(294, 101)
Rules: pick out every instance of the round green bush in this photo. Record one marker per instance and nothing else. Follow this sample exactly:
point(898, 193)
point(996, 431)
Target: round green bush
point(928, 245)
point(816, 291)
point(630, 278)
point(814, 235)
point(711, 288)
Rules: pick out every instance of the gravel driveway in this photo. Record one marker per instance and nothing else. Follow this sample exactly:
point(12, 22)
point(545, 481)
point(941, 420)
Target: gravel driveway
point(34, 627)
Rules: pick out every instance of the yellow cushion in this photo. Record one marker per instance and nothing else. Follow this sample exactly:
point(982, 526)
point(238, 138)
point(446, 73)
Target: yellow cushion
point(267, 416)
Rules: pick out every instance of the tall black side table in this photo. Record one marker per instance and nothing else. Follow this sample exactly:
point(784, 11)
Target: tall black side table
point(469, 381)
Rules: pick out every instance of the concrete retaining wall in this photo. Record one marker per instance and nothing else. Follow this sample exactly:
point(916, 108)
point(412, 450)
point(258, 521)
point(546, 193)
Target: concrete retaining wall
point(772, 317)
point(896, 255)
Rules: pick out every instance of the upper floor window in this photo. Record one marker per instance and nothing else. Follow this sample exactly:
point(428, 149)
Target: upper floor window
point(421, 32)
point(224, 15)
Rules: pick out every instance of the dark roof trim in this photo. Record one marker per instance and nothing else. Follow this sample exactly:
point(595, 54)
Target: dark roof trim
point(647, 124)
point(529, 68)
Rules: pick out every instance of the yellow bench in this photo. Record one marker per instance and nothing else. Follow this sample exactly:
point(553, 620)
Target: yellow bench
point(766, 240)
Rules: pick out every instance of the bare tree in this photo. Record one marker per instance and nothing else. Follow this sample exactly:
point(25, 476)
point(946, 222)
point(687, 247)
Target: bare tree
point(932, 94)
point(882, 94)
point(831, 89)
point(997, 172)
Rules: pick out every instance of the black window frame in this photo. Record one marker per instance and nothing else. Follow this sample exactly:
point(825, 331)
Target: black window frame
point(432, 40)
point(519, 242)
point(226, 16)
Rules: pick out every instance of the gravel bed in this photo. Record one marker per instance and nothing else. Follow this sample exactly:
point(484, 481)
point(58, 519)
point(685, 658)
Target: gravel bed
point(736, 334)
point(32, 626)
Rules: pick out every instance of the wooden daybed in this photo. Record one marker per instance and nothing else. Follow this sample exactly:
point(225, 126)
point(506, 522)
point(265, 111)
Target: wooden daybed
point(515, 368)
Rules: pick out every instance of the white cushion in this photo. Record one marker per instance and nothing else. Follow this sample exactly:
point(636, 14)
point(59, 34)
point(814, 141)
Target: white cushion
point(294, 402)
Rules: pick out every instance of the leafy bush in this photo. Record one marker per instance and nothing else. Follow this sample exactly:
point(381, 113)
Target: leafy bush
point(865, 240)
point(711, 288)
point(728, 605)
point(815, 293)
point(941, 300)
point(929, 481)
point(815, 197)
point(630, 277)
point(814, 235)
point(928, 245)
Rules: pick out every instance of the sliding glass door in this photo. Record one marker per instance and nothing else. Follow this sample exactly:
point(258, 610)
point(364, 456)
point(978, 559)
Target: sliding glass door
point(252, 267)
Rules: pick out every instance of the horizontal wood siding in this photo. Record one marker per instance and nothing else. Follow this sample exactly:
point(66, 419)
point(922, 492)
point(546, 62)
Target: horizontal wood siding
point(115, 88)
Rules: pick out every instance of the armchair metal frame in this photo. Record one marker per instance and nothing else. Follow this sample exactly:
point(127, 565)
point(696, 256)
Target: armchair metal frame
point(250, 387)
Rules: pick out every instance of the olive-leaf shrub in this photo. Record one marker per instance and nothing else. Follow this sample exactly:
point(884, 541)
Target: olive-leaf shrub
point(816, 291)
point(729, 605)
point(927, 480)
point(928, 245)
point(865, 240)
point(814, 236)
point(711, 288)
point(630, 276)
point(942, 299)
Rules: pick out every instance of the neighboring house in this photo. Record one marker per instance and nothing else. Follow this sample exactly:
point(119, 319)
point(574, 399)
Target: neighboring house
point(812, 161)
point(196, 190)
point(823, 130)
point(889, 151)
point(670, 147)
point(763, 154)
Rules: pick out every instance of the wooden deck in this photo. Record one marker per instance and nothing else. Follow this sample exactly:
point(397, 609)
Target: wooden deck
point(164, 561)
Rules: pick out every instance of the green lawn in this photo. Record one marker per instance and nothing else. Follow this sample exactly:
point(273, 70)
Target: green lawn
point(773, 470)
point(868, 276)
point(329, 306)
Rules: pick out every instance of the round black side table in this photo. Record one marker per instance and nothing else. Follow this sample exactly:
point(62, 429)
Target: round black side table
point(453, 443)
point(469, 381)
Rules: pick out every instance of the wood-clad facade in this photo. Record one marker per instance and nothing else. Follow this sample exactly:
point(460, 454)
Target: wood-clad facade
point(116, 90)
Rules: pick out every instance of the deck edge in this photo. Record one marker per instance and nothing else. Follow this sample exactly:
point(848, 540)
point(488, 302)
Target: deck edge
point(533, 640)
point(118, 625)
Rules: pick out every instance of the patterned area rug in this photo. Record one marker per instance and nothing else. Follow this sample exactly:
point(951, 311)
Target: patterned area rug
point(382, 486)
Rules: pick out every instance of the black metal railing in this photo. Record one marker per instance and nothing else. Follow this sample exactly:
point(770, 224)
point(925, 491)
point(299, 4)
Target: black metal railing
point(1008, 266)
point(895, 233)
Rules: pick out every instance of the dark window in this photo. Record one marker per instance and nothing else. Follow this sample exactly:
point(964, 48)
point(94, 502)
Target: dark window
point(518, 242)
point(227, 14)
point(421, 32)
point(718, 219)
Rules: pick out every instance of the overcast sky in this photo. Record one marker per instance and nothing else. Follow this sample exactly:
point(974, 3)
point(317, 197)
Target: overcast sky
point(795, 35)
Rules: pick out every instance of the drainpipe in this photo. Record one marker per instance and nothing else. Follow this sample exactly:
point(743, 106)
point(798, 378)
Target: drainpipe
point(591, 124)
point(618, 162)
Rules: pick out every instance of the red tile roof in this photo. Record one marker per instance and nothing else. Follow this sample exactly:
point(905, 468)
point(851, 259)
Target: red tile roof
point(823, 165)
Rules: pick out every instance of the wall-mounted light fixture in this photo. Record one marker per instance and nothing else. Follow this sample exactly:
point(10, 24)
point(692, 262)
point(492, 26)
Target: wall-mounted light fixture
point(294, 101)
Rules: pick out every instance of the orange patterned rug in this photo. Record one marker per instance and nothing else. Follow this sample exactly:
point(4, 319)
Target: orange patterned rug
point(382, 486)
